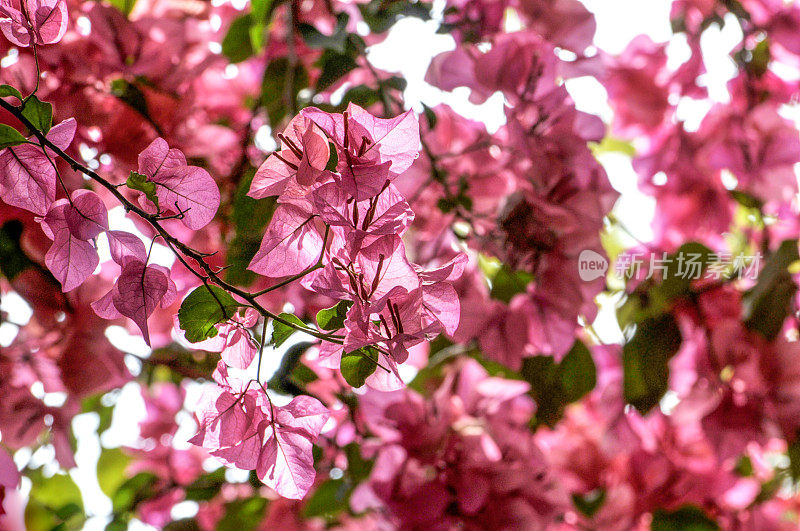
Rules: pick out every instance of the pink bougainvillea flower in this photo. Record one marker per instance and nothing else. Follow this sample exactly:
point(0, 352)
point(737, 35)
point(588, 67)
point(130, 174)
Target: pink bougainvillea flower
point(33, 21)
point(400, 324)
point(187, 191)
point(156, 511)
point(9, 477)
point(124, 244)
point(228, 417)
point(290, 245)
point(136, 294)
point(27, 178)
point(358, 221)
point(233, 341)
point(241, 426)
point(286, 462)
point(373, 150)
point(384, 266)
point(71, 224)
point(298, 164)
point(565, 23)
point(162, 402)
point(439, 297)
point(86, 215)
point(139, 290)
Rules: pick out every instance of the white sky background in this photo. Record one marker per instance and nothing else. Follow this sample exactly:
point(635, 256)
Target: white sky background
point(408, 49)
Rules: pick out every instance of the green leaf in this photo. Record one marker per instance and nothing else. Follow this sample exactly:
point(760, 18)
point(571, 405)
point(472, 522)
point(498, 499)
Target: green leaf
point(577, 373)
point(794, 460)
point(56, 491)
point(677, 280)
point(590, 502)
point(358, 468)
point(39, 113)
point(540, 372)
point(746, 200)
point(237, 45)
point(645, 360)
point(281, 332)
point(328, 500)
point(430, 116)
point(652, 299)
point(262, 9)
point(507, 283)
point(333, 159)
point(139, 182)
point(117, 525)
point(333, 318)
point(40, 518)
point(380, 15)
point(243, 515)
point(769, 488)
point(184, 524)
point(760, 58)
point(10, 137)
point(202, 309)
point(396, 82)
point(292, 376)
point(132, 96)
point(125, 6)
point(277, 77)
point(111, 470)
point(767, 304)
point(250, 218)
point(609, 144)
point(206, 486)
point(687, 518)
point(361, 95)
point(54, 503)
point(135, 490)
point(101, 404)
point(13, 259)
point(429, 377)
point(163, 363)
point(554, 385)
point(8, 90)
point(744, 467)
point(257, 33)
point(333, 66)
point(336, 41)
point(358, 365)
point(67, 511)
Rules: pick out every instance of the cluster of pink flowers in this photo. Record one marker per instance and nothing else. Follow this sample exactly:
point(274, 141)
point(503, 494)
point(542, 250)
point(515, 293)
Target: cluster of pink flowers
point(747, 138)
point(358, 259)
point(463, 457)
point(536, 197)
point(393, 303)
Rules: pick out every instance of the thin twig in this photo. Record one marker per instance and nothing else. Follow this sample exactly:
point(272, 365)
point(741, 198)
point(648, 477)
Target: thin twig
point(177, 246)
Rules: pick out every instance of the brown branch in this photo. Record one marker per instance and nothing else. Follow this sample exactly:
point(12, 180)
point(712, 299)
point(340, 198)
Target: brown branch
point(180, 248)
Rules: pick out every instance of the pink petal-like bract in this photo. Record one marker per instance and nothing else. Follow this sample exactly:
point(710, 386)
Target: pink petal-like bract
point(124, 244)
point(181, 189)
point(87, 215)
point(43, 21)
point(290, 245)
point(138, 293)
point(27, 178)
point(286, 463)
point(70, 259)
